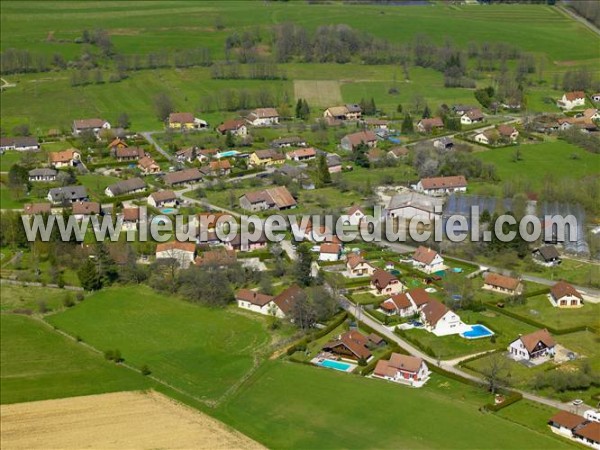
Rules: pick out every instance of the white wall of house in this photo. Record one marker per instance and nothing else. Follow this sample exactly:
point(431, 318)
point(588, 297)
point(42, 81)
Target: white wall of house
point(270, 309)
point(568, 301)
point(449, 323)
point(329, 256)
point(361, 270)
point(435, 266)
point(184, 258)
point(408, 212)
point(265, 121)
point(390, 289)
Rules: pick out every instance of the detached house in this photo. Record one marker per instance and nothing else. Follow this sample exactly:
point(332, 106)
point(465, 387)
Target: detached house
point(384, 283)
point(412, 204)
point(571, 100)
point(344, 112)
point(85, 209)
point(66, 158)
point(564, 295)
point(131, 218)
point(236, 127)
point(67, 194)
point(289, 141)
point(128, 153)
point(403, 369)
point(220, 168)
point(31, 209)
point(428, 125)
point(442, 185)
point(268, 157)
point(502, 284)
point(547, 255)
point(580, 429)
point(472, 116)
point(330, 252)
point(428, 260)
point(125, 187)
point(274, 198)
point(406, 304)
point(261, 117)
point(117, 143)
point(508, 132)
point(148, 166)
point(286, 301)
point(186, 176)
point(351, 141)
point(44, 175)
point(531, 346)
point(162, 199)
point(357, 266)
point(354, 216)
point(93, 125)
point(185, 121)
point(350, 345)
point(439, 319)
point(183, 252)
point(19, 143)
point(256, 302)
point(302, 154)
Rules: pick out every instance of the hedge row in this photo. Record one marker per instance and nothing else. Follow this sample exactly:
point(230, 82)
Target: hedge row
point(512, 398)
point(301, 345)
point(537, 292)
point(415, 342)
point(537, 324)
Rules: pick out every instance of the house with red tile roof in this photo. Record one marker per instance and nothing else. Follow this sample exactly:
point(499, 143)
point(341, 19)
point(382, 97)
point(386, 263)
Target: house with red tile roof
point(350, 345)
point(351, 141)
point(329, 251)
point(403, 369)
point(440, 320)
point(237, 127)
point(357, 266)
point(428, 125)
point(442, 185)
point(571, 100)
point(502, 284)
point(256, 302)
point(183, 252)
point(427, 260)
point(261, 117)
point(406, 304)
point(564, 295)
point(531, 346)
point(384, 283)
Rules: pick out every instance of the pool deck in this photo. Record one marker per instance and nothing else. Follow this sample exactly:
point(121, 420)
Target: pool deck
point(317, 360)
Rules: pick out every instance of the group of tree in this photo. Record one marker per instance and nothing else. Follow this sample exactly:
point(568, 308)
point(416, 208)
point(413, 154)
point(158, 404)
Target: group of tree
point(429, 162)
point(260, 70)
point(368, 106)
point(302, 110)
point(99, 270)
point(360, 155)
point(589, 10)
point(243, 99)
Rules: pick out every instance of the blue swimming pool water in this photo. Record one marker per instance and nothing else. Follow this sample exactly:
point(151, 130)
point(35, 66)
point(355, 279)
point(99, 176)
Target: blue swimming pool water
point(168, 210)
point(337, 365)
point(227, 153)
point(477, 331)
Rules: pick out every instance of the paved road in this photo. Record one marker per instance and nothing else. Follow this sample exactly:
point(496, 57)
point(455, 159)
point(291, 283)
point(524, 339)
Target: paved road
point(181, 194)
point(449, 366)
point(148, 136)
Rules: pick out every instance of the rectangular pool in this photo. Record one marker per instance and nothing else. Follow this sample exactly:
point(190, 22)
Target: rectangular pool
point(336, 365)
point(476, 332)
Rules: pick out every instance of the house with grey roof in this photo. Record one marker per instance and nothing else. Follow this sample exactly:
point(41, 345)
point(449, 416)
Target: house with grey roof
point(67, 194)
point(44, 174)
point(125, 187)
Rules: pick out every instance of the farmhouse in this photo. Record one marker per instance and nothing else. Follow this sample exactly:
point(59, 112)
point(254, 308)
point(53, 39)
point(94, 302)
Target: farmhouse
point(289, 141)
point(334, 163)
point(502, 284)
point(20, 143)
point(184, 121)
point(412, 204)
point(428, 260)
point(185, 176)
point(460, 110)
point(351, 141)
point(357, 266)
point(125, 187)
point(182, 252)
point(256, 302)
point(268, 157)
point(263, 117)
point(350, 345)
point(31, 209)
point(330, 252)
point(84, 209)
point(302, 154)
point(45, 175)
point(531, 346)
point(442, 185)
point(443, 143)
point(571, 100)
point(354, 216)
point(128, 153)
point(272, 198)
point(472, 116)
point(439, 319)
point(87, 125)
point(344, 112)
point(403, 369)
point(236, 127)
point(428, 125)
point(564, 295)
point(67, 194)
point(162, 199)
point(508, 133)
point(220, 168)
point(547, 255)
point(384, 283)
point(148, 166)
point(66, 158)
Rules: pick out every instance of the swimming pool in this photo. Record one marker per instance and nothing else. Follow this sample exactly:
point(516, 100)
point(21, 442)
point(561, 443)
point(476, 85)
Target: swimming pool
point(337, 365)
point(227, 154)
point(476, 332)
point(168, 210)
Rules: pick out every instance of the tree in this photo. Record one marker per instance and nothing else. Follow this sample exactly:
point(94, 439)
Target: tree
point(123, 121)
point(359, 155)
point(21, 130)
point(303, 265)
point(207, 285)
point(299, 109)
point(18, 178)
point(105, 265)
point(407, 125)
point(229, 140)
point(426, 112)
point(495, 371)
point(323, 175)
point(399, 108)
point(88, 276)
point(163, 105)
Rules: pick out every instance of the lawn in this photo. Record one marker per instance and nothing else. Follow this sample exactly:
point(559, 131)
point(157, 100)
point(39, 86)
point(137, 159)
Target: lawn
point(9, 159)
point(29, 297)
point(199, 350)
point(307, 407)
point(39, 364)
point(8, 200)
point(96, 183)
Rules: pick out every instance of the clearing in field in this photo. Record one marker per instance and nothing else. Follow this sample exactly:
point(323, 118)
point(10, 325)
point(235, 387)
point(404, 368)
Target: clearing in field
point(318, 92)
point(116, 421)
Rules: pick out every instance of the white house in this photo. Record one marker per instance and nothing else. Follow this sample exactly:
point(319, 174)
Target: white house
point(19, 143)
point(261, 117)
point(66, 158)
point(428, 260)
point(302, 154)
point(472, 116)
point(403, 369)
point(571, 100)
point(93, 125)
point(236, 127)
point(384, 283)
point(183, 252)
point(412, 204)
point(125, 187)
point(508, 132)
point(564, 295)
point(163, 199)
point(354, 216)
point(530, 346)
point(442, 185)
point(45, 175)
point(406, 304)
point(502, 284)
point(577, 428)
point(357, 266)
point(439, 319)
point(330, 252)
point(256, 302)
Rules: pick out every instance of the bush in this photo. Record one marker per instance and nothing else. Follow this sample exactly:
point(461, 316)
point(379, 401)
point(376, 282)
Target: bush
point(513, 397)
point(79, 296)
point(145, 370)
point(68, 301)
point(113, 355)
point(43, 307)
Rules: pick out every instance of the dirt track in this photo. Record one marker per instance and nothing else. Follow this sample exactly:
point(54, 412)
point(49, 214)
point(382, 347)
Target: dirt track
point(127, 420)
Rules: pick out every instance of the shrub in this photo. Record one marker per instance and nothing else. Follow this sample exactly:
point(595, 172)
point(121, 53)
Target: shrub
point(513, 397)
point(68, 301)
point(79, 296)
point(145, 370)
point(43, 307)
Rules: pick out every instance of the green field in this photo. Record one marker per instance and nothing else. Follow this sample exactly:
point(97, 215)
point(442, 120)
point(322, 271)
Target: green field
point(304, 407)
point(38, 364)
point(96, 183)
point(29, 297)
point(199, 350)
